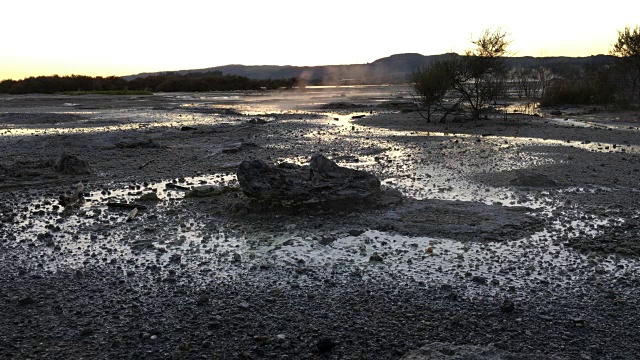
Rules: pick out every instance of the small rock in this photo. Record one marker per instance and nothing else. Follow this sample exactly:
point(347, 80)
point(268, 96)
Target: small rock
point(375, 258)
point(203, 300)
point(325, 345)
point(479, 279)
point(327, 239)
point(355, 232)
point(244, 305)
point(262, 339)
point(578, 321)
point(26, 300)
point(507, 306)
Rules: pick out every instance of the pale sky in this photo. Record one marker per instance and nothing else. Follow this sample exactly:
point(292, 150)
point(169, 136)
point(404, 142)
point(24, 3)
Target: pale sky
point(115, 37)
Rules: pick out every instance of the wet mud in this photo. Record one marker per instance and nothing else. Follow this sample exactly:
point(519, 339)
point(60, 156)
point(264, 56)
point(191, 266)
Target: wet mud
point(161, 254)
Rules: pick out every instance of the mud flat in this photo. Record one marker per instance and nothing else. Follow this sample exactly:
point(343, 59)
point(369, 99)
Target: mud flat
point(124, 232)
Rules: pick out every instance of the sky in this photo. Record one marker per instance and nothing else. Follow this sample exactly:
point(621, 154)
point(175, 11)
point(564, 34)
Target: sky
point(115, 37)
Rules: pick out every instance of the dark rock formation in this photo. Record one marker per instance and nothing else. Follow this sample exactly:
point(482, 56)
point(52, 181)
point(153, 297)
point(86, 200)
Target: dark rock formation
point(321, 181)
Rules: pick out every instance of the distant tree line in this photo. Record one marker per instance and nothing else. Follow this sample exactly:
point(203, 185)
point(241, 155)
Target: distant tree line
point(168, 82)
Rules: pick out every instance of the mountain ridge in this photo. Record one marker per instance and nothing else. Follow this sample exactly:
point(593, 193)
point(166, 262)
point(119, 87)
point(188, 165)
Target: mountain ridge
point(395, 68)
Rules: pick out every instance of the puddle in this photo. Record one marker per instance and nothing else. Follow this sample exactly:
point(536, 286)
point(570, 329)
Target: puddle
point(171, 236)
point(121, 121)
point(104, 230)
point(590, 124)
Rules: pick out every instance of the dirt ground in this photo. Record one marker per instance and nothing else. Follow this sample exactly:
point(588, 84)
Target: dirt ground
point(517, 236)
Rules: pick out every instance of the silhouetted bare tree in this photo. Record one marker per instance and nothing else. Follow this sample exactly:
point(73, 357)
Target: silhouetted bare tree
point(431, 84)
point(481, 74)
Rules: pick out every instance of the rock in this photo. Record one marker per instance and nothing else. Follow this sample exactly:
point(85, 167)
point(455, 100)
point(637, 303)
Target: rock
point(25, 300)
point(556, 112)
point(507, 306)
point(578, 322)
point(203, 300)
point(206, 191)
point(375, 258)
point(532, 178)
point(257, 121)
point(355, 232)
point(479, 279)
point(86, 332)
point(71, 199)
point(321, 181)
point(244, 305)
point(327, 240)
point(446, 351)
point(72, 165)
point(325, 345)
point(187, 128)
point(262, 339)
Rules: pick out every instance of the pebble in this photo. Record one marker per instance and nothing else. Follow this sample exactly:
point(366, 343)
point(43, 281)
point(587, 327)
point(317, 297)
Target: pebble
point(325, 345)
point(507, 306)
point(26, 300)
point(479, 279)
point(244, 305)
point(375, 258)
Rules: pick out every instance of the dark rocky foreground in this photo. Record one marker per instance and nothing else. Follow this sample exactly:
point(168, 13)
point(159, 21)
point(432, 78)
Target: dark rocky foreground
point(106, 314)
point(511, 239)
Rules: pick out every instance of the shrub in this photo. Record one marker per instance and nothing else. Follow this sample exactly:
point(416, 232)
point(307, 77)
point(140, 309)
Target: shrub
point(431, 84)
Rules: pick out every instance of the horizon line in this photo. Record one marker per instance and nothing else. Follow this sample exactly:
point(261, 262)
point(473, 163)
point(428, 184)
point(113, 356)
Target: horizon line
point(295, 66)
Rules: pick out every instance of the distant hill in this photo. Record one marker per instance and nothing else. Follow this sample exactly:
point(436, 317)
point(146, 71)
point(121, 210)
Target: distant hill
point(392, 69)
